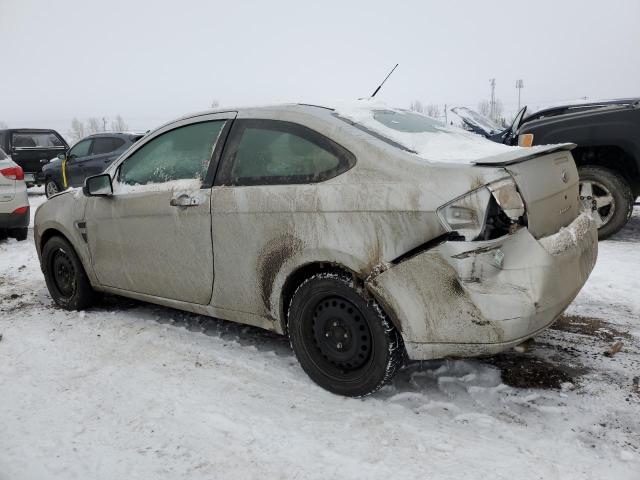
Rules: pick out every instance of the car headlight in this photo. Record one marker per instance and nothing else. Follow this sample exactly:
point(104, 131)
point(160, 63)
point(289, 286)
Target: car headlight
point(485, 213)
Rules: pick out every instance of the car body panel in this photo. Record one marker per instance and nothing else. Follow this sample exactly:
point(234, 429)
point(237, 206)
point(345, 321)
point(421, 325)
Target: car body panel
point(494, 292)
point(366, 220)
point(13, 195)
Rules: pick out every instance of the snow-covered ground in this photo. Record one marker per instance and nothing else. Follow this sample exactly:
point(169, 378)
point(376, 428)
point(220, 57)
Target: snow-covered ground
point(136, 391)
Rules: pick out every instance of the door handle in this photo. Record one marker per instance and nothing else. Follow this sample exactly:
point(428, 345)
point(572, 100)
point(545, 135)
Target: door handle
point(184, 200)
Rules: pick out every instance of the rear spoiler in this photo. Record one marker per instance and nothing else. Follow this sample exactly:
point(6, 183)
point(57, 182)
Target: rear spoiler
point(523, 154)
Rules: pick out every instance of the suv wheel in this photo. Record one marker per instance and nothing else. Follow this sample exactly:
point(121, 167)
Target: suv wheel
point(65, 276)
point(608, 196)
point(51, 188)
point(342, 339)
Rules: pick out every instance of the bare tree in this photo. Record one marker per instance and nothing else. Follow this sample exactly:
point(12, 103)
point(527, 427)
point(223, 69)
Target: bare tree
point(215, 103)
point(93, 125)
point(119, 125)
point(417, 106)
point(484, 108)
point(433, 110)
point(77, 129)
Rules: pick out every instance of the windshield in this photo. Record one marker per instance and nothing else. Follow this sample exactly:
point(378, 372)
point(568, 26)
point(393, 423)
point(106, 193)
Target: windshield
point(416, 133)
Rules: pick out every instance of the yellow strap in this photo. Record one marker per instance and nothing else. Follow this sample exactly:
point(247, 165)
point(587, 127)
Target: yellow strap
point(64, 172)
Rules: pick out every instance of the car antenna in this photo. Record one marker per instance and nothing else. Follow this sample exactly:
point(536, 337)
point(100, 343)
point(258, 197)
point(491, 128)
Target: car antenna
point(385, 79)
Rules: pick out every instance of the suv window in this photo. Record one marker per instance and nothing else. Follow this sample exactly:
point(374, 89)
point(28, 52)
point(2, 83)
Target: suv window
point(182, 153)
point(106, 145)
point(36, 140)
point(277, 152)
point(81, 149)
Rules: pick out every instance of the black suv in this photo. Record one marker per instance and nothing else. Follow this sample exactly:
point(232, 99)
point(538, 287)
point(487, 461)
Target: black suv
point(90, 156)
point(31, 148)
point(607, 156)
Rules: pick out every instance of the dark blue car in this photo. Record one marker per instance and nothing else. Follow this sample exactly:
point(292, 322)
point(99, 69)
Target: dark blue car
point(90, 156)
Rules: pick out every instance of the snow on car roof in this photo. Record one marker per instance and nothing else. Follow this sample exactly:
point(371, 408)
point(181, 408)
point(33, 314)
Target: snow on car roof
point(427, 137)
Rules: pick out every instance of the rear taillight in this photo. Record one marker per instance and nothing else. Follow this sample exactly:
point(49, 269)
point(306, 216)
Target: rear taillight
point(20, 211)
point(13, 173)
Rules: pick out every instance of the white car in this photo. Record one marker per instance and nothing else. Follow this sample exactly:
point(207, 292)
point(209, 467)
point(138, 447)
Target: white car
point(364, 233)
point(14, 203)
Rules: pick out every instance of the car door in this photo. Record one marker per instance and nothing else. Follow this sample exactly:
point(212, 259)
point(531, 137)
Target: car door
point(153, 235)
point(104, 151)
point(32, 149)
point(73, 165)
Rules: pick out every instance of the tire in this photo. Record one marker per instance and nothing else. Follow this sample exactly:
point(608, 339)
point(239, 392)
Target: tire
point(341, 337)
point(65, 276)
point(609, 197)
point(51, 187)
point(19, 234)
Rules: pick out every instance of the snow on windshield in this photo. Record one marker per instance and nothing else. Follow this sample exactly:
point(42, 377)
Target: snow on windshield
point(429, 138)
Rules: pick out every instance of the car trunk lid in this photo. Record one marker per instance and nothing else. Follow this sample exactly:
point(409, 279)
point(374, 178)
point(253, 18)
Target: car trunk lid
point(547, 179)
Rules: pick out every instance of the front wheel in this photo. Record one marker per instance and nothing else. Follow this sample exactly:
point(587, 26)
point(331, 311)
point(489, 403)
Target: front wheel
point(65, 276)
point(608, 196)
point(341, 337)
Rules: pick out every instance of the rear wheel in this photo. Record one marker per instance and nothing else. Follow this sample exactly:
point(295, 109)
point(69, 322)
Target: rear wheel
point(51, 187)
point(65, 276)
point(342, 339)
point(608, 196)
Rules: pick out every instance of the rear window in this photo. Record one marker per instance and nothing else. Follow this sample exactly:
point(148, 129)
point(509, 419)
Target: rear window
point(36, 140)
point(106, 145)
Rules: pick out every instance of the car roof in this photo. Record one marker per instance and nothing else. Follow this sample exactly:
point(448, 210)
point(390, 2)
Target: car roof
point(126, 135)
point(27, 130)
point(283, 107)
point(584, 106)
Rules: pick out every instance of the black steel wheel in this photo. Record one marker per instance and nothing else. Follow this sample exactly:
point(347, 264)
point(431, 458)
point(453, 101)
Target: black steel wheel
point(341, 336)
point(65, 276)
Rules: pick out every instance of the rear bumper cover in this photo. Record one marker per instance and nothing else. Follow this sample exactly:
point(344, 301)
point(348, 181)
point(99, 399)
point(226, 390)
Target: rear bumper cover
point(479, 298)
point(14, 220)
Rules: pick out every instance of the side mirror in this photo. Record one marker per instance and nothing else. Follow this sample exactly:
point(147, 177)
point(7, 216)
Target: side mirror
point(62, 156)
point(98, 186)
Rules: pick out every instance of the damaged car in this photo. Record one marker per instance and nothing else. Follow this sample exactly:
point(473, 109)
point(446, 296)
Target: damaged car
point(367, 234)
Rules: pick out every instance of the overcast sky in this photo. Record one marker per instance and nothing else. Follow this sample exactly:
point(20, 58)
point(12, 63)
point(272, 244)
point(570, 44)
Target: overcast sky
point(150, 61)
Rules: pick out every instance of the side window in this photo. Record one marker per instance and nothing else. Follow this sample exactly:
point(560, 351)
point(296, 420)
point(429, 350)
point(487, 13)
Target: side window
point(106, 145)
point(182, 153)
point(271, 152)
point(36, 140)
point(81, 149)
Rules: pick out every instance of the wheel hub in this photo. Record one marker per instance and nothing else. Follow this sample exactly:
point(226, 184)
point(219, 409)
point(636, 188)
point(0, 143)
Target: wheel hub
point(598, 199)
point(340, 333)
point(63, 273)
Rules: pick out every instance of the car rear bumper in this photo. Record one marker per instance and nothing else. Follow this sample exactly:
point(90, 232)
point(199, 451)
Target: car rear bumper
point(479, 298)
point(14, 220)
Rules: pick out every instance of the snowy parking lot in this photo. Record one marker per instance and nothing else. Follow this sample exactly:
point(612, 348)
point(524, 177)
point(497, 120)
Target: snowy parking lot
point(132, 390)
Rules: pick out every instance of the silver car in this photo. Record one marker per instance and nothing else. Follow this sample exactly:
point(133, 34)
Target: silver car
point(14, 202)
point(366, 234)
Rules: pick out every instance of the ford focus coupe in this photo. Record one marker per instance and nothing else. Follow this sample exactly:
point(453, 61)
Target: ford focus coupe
point(365, 233)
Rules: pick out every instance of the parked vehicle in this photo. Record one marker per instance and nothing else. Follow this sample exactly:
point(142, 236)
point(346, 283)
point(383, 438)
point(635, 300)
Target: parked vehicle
point(14, 203)
point(90, 156)
point(365, 234)
point(31, 148)
point(608, 153)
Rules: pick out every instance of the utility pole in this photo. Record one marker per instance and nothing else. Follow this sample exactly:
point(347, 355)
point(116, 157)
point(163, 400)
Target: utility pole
point(492, 105)
point(519, 86)
point(104, 124)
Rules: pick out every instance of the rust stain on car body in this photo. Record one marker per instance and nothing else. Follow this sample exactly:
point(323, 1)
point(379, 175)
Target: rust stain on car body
point(271, 259)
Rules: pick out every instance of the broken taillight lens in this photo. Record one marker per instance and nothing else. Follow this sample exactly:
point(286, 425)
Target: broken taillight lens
point(13, 173)
point(489, 212)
